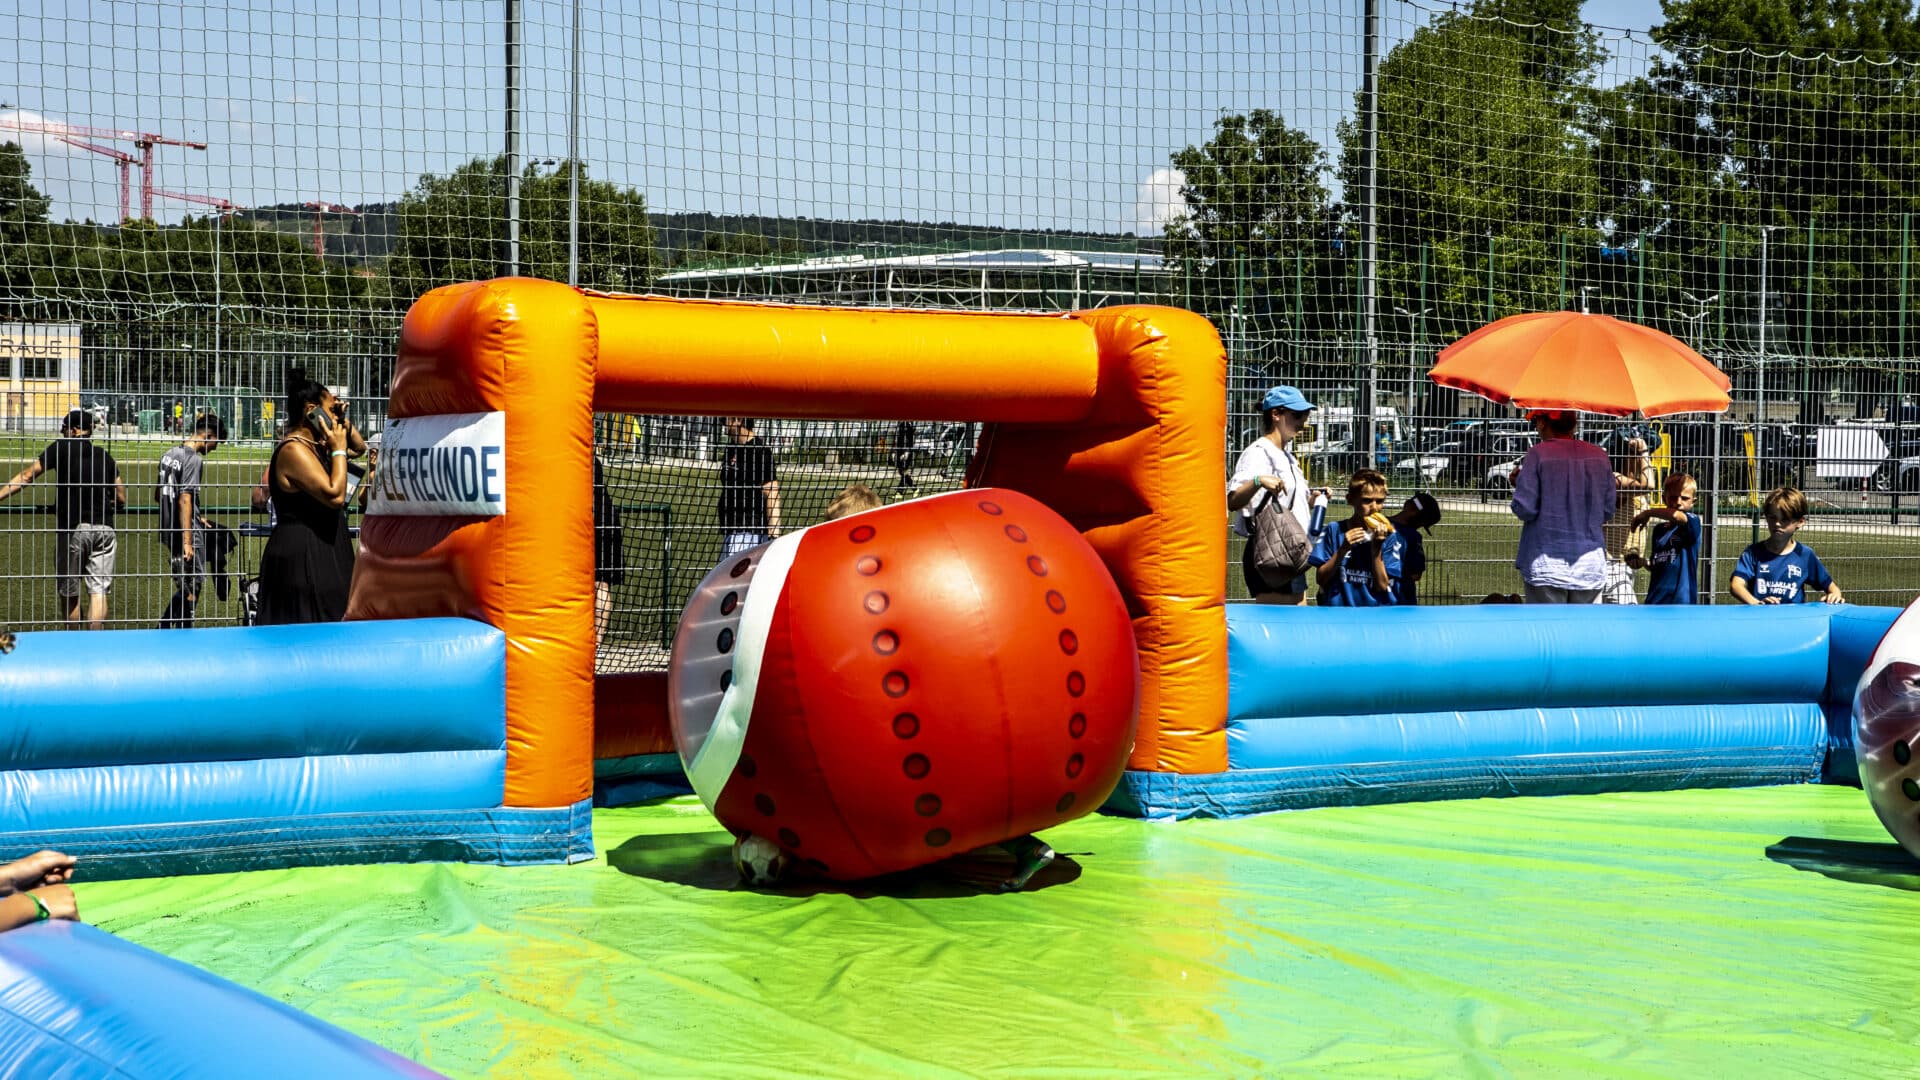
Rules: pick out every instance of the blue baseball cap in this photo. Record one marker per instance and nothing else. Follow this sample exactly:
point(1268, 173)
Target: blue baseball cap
point(1285, 397)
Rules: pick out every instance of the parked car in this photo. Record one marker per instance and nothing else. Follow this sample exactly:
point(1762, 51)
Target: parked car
point(1497, 482)
point(1423, 470)
point(1897, 474)
point(1491, 426)
point(1778, 452)
point(1483, 447)
point(1329, 464)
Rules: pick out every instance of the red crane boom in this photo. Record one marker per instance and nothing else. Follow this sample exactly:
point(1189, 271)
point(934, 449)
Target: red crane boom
point(125, 159)
point(145, 140)
point(205, 200)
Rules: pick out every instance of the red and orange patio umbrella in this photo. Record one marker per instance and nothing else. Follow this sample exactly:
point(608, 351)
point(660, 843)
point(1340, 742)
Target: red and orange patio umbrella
point(1587, 363)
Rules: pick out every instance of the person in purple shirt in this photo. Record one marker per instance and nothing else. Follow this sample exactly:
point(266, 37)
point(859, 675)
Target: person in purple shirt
point(1563, 493)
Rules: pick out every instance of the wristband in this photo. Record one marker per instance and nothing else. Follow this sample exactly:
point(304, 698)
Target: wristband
point(339, 453)
point(44, 913)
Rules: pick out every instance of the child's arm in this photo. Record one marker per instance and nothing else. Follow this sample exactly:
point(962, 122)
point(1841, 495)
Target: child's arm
point(1382, 581)
point(1741, 584)
point(1665, 513)
point(24, 907)
point(1832, 594)
point(1327, 573)
point(1326, 555)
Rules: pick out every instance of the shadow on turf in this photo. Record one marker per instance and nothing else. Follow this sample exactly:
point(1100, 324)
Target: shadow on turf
point(1885, 864)
point(706, 862)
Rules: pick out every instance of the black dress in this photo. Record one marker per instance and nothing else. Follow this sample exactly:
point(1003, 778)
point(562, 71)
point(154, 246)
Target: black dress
point(308, 563)
point(609, 560)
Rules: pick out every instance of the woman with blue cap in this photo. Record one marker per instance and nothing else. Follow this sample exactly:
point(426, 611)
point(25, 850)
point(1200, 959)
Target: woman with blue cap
point(1267, 465)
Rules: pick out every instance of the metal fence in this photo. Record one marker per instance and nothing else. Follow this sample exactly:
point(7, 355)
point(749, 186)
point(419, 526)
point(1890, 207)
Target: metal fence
point(1755, 202)
point(1848, 435)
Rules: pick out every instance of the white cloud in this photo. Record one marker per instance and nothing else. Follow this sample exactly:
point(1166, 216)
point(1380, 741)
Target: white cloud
point(33, 142)
point(1157, 201)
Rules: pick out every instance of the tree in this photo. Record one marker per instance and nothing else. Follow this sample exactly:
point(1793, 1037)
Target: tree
point(1558, 48)
point(21, 204)
point(1796, 139)
point(453, 228)
point(1476, 155)
point(1256, 237)
point(23, 217)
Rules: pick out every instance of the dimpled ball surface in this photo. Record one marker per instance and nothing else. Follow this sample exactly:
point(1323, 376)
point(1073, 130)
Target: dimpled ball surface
point(936, 676)
point(1886, 731)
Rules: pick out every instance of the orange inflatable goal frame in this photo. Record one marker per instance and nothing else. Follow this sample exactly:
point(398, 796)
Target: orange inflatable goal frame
point(1115, 418)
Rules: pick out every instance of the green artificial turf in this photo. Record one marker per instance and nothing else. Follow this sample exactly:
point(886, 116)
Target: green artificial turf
point(1754, 933)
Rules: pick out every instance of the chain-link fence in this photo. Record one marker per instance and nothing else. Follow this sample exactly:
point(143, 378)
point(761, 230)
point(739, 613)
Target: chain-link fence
point(238, 197)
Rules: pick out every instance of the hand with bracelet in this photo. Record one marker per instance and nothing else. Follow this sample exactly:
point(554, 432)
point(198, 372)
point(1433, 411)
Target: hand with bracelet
point(34, 889)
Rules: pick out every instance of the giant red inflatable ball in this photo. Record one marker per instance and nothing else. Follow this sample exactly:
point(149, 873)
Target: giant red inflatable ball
point(1886, 730)
point(893, 688)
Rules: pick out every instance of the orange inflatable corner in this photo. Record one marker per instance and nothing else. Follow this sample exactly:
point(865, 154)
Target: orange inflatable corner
point(1142, 479)
point(525, 348)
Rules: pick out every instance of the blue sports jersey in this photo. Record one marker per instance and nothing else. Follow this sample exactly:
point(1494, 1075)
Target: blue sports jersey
point(1788, 577)
point(1673, 558)
point(1413, 561)
point(1354, 587)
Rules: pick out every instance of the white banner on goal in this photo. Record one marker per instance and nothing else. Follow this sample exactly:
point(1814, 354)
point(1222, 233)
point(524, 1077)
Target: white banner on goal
point(452, 465)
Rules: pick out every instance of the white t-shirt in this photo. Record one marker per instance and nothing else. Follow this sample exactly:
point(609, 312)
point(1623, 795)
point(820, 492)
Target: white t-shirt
point(1262, 458)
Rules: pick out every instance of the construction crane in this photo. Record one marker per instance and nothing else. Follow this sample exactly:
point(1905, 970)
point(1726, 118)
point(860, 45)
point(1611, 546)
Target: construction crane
point(125, 159)
point(204, 200)
point(145, 141)
point(319, 237)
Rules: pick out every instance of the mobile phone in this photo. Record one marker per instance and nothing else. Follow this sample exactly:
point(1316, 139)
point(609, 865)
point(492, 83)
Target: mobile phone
point(321, 422)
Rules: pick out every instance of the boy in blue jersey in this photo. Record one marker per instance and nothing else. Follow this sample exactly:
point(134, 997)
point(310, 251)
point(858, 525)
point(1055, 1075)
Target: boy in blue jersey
point(1673, 548)
point(1422, 511)
point(1778, 570)
point(1359, 559)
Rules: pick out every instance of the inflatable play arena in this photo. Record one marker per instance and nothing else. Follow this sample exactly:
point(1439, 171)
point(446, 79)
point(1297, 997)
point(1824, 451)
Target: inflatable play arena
point(883, 690)
point(469, 640)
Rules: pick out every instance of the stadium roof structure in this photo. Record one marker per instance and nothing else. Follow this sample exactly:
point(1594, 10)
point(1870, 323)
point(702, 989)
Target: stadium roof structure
point(1037, 279)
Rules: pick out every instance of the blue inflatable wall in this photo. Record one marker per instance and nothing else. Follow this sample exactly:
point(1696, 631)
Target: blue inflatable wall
point(1333, 706)
point(157, 752)
point(76, 1002)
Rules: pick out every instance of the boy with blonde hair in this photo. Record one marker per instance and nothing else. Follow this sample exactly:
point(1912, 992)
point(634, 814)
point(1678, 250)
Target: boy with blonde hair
point(1359, 560)
point(1779, 570)
point(1673, 548)
point(853, 499)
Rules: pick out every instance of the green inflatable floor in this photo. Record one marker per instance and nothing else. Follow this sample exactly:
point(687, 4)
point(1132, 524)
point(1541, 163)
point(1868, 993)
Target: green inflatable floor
point(1761, 932)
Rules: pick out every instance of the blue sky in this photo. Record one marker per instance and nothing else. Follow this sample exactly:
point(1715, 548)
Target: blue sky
point(1025, 114)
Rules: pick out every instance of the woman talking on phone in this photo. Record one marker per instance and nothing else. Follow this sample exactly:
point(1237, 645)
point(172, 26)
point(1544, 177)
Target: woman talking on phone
point(308, 563)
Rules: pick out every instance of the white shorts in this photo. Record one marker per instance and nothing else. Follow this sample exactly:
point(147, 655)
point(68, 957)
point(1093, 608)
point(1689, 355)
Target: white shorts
point(1619, 586)
point(84, 557)
point(1553, 594)
point(733, 543)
